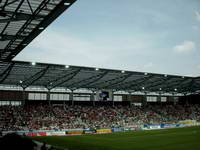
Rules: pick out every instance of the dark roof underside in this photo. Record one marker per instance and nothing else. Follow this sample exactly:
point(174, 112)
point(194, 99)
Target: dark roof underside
point(52, 76)
point(22, 20)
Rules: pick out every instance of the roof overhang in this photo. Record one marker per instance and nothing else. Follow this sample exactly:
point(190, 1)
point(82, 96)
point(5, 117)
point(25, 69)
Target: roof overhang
point(23, 20)
point(50, 76)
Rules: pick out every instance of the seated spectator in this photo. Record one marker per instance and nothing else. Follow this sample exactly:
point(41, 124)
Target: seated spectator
point(46, 117)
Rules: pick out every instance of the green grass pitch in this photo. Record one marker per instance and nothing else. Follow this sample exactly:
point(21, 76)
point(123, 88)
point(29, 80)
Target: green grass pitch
point(167, 139)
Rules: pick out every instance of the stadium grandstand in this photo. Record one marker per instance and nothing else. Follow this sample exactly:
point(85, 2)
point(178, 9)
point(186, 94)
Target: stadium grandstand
point(53, 99)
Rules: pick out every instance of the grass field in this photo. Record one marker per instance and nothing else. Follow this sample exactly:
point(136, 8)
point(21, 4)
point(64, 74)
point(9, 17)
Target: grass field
point(168, 139)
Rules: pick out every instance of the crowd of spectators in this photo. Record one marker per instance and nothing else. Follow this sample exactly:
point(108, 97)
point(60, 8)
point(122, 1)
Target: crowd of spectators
point(57, 117)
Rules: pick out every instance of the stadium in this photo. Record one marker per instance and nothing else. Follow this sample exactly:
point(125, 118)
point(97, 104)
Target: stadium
point(80, 108)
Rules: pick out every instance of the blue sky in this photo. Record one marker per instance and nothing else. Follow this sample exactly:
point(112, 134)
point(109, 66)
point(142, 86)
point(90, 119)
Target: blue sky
point(160, 36)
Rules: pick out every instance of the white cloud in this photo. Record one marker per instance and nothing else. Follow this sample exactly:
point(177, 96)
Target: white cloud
point(148, 65)
point(186, 46)
point(195, 27)
point(197, 15)
point(63, 48)
point(60, 48)
point(198, 67)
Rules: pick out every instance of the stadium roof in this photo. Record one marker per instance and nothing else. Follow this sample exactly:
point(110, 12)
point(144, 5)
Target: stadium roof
point(51, 76)
point(22, 20)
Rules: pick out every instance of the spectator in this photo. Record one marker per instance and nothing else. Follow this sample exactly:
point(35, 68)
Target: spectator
point(13, 141)
point(45, 117)
point(43, 147)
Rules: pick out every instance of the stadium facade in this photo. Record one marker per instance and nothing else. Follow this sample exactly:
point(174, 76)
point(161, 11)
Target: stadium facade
point(66, 86)
point(25, 81)
point(22, 21)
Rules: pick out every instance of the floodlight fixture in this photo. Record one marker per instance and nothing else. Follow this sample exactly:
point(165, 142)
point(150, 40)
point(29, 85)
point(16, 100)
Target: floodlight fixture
point(66, 4)
point(41, 28)
point(33, 63)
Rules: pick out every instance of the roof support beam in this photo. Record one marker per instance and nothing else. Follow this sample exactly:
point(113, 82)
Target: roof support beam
point(172, 85)
point(61, 80)
point(36, 17)
point(5, 37)
point(29, 4)
point(197, 82)
point(128, 82)
point(108, 81)
point(185, 85)
point(92, 82)
point(18, 7)
point(49, 84)
point(8, 3)
point(135, 84)
point(44, 23)
point(158, 84)
point(84, 81)
point(34, 78)
point(17, 16)
point(118, 81)
point(52, 75)
point(25, 26)
point(191, 85)
point(6, 73)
